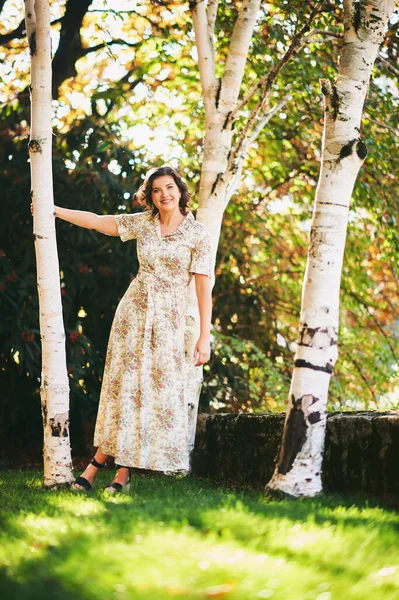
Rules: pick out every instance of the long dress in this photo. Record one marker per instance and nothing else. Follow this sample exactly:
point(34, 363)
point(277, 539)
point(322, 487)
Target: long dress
point(143, 418)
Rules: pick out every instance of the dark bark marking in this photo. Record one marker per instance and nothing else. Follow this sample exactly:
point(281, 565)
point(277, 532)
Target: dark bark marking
point(335, 204)
point(35, 146)
point(294, 437)
point(215, 183)
point(335, 102)
point(311, 332)
point(226, 120)
point(314, 417)
point(218, 93)
point(361, 149)
point(55, 428)
point(58, 430)
point(301, 363)
point(324, 90)
point(44, 414)
point(374, 18)
point(357, 16)
point(32, 43)
point(36, 236)
point(347, 149)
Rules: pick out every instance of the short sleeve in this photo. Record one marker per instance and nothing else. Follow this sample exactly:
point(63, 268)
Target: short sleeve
point(201, 261)
point(129, 226)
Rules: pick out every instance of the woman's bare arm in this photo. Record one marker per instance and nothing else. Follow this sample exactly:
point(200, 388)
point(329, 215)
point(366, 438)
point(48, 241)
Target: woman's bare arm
point(203, 288)
point(88, 220)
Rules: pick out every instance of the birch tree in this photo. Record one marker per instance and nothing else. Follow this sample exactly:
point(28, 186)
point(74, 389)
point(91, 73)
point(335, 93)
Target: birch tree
point(298, 471)
point(224, 153)
point(54, 382)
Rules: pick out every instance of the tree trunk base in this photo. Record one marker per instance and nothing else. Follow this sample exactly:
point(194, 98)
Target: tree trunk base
point(66, 485)
point(277, 494)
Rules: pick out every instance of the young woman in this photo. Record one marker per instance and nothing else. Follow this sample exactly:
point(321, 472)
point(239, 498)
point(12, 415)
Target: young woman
point(142, 416)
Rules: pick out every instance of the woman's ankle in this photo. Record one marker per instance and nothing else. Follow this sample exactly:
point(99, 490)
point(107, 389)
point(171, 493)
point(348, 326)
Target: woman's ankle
point(100, 456)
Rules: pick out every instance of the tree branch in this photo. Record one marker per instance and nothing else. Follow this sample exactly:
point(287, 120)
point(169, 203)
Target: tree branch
point(238, 52)
point(86, 51)
point(206, 63)
point(212, 12)
point(19, 32)
point(154, 25)
point(237, 156)
point(267, 80)
point(388, 65)
point(70, 47)
point(384, 125)
point(111, 99)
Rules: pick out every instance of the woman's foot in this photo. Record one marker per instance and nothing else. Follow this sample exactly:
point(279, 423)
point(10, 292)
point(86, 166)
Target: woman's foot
point(85, 481)
point(121, 481)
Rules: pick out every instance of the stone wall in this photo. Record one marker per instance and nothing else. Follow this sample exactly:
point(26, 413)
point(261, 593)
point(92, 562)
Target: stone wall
point(362, 450)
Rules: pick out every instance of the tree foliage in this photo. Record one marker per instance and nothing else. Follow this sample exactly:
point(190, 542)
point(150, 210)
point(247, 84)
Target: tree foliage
point(127, 96)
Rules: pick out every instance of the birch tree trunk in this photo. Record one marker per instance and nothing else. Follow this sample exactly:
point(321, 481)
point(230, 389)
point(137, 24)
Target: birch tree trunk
point(298, 470)
point(224, 155)
point(54, 383)
point(220, 99)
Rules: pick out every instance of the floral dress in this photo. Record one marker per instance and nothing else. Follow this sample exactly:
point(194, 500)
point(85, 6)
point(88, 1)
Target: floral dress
point(143, 418)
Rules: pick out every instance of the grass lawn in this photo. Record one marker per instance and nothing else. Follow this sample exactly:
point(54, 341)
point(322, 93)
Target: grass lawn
point(191, 539)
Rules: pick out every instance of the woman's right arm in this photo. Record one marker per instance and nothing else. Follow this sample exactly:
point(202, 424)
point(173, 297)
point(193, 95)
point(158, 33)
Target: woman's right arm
point(81, 218)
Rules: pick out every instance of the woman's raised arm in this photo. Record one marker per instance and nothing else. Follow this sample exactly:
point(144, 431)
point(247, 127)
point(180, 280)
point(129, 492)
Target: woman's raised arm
point(81, 218)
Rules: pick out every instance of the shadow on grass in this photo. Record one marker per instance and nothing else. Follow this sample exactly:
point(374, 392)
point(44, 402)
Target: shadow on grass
point(66, 545)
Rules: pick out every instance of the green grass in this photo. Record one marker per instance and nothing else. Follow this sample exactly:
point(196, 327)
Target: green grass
point(191, 539)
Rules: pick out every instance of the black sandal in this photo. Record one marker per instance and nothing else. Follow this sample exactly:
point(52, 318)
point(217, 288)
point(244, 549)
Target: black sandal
point(82, 481)
point(113, 488)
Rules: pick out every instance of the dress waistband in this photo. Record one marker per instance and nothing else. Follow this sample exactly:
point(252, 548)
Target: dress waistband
point(152, 280)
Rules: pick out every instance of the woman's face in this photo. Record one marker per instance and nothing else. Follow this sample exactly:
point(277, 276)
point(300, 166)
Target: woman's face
point(165, 194)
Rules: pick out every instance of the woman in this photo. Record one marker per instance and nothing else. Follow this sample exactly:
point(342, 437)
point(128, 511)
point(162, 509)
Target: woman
point(142, 416)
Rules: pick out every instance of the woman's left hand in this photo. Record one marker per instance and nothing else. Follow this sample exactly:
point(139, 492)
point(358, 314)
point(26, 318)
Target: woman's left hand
point(202, 351)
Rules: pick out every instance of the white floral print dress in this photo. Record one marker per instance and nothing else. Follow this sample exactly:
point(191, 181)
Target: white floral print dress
point(142, 418)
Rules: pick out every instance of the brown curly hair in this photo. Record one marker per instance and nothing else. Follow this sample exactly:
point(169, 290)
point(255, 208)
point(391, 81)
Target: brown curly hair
point(143, 194)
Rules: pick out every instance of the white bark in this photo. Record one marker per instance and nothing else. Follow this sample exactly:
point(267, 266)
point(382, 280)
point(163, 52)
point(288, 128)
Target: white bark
point(220, 98)
point(54, 384)
point(298, 472)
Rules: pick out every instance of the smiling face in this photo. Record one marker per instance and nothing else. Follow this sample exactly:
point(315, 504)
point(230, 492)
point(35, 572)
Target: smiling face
point(165, 193)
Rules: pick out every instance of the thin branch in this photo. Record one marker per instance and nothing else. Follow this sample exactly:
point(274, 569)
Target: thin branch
point(119, 12)
point(379, 327)
point(329, 34)
point(237, 156)
point(19, 32)
point(86, 51)
point(264, 121)
point(298, 41)
point(154, 24)
point(359, 370)
point(388, 65)
point(384, 125)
